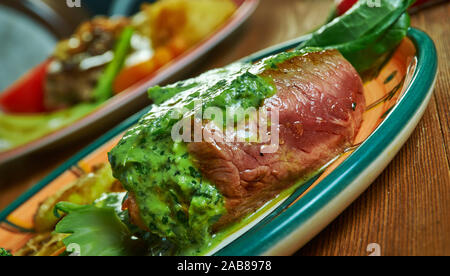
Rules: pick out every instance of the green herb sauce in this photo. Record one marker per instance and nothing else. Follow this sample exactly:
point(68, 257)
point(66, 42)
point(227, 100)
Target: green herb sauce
point(18, 130)
point(272, 62)
point(175, 201)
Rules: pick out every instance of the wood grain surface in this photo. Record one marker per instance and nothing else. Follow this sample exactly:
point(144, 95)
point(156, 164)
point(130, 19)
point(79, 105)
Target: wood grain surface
point(407, 209)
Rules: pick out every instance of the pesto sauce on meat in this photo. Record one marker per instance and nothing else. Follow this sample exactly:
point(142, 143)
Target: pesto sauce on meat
point(175, 201)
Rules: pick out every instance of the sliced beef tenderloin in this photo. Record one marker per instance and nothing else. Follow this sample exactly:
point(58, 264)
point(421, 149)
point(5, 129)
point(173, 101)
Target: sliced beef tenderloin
point(320, 102)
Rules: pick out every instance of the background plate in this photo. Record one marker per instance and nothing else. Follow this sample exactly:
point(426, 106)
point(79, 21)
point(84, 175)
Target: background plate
point(134, 98)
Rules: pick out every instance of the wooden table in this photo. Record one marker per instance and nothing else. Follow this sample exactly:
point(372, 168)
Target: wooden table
point(406, 210)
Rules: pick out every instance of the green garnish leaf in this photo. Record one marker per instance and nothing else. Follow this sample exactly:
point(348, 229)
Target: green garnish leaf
point(365, 34)
point(95, 231)
point(4, 253)
point(104, 89)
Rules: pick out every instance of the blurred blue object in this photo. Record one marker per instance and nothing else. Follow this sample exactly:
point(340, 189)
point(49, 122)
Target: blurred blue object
point(24, 44)
point(114, 7)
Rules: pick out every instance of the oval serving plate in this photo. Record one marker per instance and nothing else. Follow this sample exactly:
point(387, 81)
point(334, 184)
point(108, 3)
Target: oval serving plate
point(396, 101)
point(119, 106)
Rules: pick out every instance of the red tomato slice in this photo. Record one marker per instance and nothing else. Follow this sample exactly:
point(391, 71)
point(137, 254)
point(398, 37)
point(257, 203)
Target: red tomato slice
point(344, 5)
point(27, 94)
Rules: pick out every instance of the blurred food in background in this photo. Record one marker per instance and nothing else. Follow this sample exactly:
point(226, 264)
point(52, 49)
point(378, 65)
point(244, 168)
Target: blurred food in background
point(105, 56)
point(79, 62)
point(173, 26)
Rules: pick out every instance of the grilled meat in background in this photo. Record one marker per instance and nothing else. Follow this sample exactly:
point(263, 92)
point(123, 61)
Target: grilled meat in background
point(320, 102)
point(78, 62)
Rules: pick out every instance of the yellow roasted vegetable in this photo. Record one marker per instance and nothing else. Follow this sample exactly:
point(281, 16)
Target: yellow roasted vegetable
point(192, 20)
point(83, 191)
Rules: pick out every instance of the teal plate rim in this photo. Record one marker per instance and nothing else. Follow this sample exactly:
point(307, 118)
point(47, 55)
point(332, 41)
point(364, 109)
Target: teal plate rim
point(283, 222)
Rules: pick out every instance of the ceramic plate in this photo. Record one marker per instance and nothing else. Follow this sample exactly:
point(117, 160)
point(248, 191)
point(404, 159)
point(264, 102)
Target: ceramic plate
point(132, 98)
point(396, 100)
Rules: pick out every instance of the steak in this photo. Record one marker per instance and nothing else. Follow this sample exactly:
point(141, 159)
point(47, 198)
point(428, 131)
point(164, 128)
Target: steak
point(320, 103)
